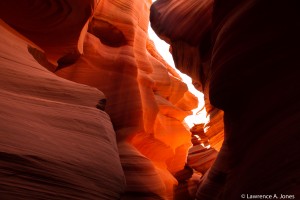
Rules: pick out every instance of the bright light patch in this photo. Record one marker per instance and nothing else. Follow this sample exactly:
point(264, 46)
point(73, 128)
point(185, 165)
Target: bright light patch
point(198, 137)
point(163, 48)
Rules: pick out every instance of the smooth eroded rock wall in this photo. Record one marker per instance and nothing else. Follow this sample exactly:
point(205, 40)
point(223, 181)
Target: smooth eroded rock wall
point(54, 143)
point(146, 99)
point(104, 44)
point(251, 74)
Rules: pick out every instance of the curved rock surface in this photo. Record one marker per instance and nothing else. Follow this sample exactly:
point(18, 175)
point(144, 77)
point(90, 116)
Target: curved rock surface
point(200, 158)
point(179, 13)
point(145, 99)
point(186, 26)
point(251, 73)
point(54, 143)
point(137, 169)
point(145, 102)
point(57, 26)
point(255, 81)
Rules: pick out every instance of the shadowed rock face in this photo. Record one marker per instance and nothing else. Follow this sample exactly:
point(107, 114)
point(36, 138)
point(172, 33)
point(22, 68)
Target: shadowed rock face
point(175, 22)
point(57, 26)
point(255, 81)
point(253, 77)
point(164, 12)
point(54, 143)
point(107, 33)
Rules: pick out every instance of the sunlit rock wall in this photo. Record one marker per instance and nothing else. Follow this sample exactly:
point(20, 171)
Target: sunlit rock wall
point(252, 74)
point(186, 26)
point(104, 44)
point(144, 100)
point(54, 143)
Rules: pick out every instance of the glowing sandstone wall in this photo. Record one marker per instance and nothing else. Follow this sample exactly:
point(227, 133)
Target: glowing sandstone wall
point(146, 100)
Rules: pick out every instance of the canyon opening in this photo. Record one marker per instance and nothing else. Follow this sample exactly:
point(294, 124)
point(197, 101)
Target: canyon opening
point(92, 107)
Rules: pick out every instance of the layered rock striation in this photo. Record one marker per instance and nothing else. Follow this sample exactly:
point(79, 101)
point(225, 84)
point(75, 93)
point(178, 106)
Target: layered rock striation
point(251, 73)
point(145, 102)
point(54, 143)
point(60, 136)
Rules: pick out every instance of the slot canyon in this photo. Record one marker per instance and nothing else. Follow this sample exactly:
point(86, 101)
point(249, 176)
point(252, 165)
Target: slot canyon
point(90, 110)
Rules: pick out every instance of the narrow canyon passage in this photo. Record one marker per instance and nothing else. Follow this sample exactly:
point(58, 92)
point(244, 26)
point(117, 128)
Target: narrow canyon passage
point(90, 109)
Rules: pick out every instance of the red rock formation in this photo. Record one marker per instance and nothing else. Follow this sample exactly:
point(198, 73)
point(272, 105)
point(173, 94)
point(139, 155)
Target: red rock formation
point(145, 98)
point(200, 158)
point(186, 26)
point(143, 181)
point(253, 77)
point(54, 143)
point(146, 103)
point(58, 27)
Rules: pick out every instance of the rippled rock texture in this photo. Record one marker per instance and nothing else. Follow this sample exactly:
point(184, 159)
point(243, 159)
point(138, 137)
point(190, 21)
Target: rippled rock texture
point(54, 143)
point(250, 71)
point(50, 127)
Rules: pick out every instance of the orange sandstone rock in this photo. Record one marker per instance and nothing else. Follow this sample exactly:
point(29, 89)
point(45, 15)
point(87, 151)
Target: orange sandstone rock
point(146, 99)
point(146, 103)
point(187, 28)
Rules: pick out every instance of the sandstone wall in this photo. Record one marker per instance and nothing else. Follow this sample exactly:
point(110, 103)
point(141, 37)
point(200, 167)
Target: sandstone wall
point(104, 45)
point(250, 72)
point(54, 143)
point(187, 27)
